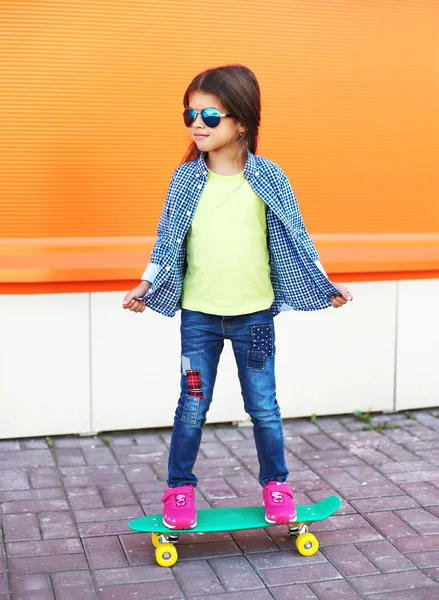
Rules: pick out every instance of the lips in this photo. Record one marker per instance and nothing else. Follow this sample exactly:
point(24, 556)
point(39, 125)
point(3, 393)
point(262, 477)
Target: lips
point(200, 136)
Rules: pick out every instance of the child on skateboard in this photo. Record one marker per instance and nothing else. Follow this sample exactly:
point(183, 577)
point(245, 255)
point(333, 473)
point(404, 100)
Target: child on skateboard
point(232, 252)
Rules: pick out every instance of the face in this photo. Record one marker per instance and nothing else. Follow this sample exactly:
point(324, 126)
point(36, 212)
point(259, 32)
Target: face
point(215, 139)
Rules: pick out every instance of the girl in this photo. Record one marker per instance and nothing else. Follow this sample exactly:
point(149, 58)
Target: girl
point(232, 252)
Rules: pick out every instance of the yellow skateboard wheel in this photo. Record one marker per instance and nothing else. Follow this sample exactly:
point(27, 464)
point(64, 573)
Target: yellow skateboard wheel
point(155, 540)
point(166, 555)
point(307, 544)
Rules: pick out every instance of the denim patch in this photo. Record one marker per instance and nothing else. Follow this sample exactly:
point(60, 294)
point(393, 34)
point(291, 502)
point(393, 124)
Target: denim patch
point(185, 364)
point(190, 410)
point(194, 384)
point(256, 359)
point(262, 336)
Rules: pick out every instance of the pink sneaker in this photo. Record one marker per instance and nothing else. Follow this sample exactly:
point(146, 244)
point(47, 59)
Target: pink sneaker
point(278, 502)
point(179, 508)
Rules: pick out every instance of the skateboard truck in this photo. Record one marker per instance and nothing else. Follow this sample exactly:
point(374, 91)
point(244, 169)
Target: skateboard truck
point(297, 529)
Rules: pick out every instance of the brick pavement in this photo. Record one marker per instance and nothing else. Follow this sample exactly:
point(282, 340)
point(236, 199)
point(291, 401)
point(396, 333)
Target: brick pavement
point(65, 509)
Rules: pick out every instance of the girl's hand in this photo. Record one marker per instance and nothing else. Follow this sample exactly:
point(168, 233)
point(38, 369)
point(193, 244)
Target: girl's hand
point(345, 297)
point(131, 299)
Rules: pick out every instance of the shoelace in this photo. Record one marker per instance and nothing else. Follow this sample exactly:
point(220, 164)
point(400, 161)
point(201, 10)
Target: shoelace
point(277, 496)
point(180, 499)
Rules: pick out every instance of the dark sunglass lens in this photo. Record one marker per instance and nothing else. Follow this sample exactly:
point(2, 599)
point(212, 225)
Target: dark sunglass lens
point(211, 117)
point(189, 116)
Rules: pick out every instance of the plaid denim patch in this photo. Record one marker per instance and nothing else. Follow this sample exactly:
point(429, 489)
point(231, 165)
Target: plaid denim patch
point(195, 388)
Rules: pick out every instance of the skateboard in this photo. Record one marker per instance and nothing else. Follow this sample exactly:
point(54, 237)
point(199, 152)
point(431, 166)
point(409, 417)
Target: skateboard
point(218, 520)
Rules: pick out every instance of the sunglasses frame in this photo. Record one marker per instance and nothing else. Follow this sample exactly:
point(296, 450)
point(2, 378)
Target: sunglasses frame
point(200, 112)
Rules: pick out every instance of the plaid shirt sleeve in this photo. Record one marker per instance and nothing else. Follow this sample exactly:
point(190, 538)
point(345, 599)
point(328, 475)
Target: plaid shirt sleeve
point(161, 246)
point(292, 210)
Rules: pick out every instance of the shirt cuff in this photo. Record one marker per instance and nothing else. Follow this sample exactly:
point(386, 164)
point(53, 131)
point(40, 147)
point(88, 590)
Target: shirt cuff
point(320, 267)
point(150, 273)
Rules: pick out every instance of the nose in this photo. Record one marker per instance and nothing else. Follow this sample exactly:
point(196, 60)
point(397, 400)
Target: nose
point(198, 121)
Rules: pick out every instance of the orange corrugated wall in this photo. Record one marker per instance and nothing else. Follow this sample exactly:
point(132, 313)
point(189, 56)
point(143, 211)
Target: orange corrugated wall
point(91, 100)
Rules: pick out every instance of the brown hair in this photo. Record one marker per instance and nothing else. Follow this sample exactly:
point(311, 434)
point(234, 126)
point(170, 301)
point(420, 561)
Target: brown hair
point(237, 88)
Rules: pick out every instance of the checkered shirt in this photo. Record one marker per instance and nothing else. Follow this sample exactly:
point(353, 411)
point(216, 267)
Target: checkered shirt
point(297, 281)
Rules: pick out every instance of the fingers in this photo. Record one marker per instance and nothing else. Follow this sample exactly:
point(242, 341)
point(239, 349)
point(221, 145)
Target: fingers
point(133, 304)
point(338, 301)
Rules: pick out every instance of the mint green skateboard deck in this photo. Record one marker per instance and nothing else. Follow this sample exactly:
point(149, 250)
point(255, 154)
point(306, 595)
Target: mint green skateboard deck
point(217, 520)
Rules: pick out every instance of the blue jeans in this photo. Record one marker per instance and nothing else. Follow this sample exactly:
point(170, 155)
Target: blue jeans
point(202, 341)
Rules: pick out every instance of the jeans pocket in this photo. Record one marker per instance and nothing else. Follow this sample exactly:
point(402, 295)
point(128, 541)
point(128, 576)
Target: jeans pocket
point(256, 359)
point(190, 410)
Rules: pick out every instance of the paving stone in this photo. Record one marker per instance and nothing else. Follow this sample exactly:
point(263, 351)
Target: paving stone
point(21, 528)
point(100, 528)
point(418, 543)
point(252, 541)
point(335, 590)
point(370, 491)
point(44, 547)
point(45, 478)
point(84, 498)
point(69, 457)
point(383, 504)
point(31, 587)
point(140, 454)
point(104, 552)
point(140, 574)
point(212, 449)
point(9, 445)
point(425, 593)
point(75, 585)
point(401, 467)
point(135, 473)
point(98, 456)
point(13, 479)
point(339, 522)
point(385, 556)
point(92, 475)
point(349, 561)
point(278, 560)
point(208, 550)
point(216, 489)
point(390, 525)
point(247, 595)
point(26, 459)
point(390, 582)
point(412, 476)
point(77, 442)
point(299, 591)
point(159, 590)
point(48, 564)
point(197, 577)
point(338, 478)
point(304, 574)
point(228, 434)
point(348, 536)
point(108, 514)
point(57, 525)
point(425, 560)
point(420, 519)
point(34, 506)
point(117, 495)
point(236, 574)
point(139, 549)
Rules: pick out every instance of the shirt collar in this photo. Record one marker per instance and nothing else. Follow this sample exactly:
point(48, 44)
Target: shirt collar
point(249, 169)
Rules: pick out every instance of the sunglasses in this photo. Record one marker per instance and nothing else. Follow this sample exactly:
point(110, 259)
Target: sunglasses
point(211, 117)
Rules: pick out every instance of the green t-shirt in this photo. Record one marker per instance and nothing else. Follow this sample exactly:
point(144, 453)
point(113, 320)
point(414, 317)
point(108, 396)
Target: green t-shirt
point(228, 271)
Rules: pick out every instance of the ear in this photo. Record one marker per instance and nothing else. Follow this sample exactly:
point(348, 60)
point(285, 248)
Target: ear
point(241, 128)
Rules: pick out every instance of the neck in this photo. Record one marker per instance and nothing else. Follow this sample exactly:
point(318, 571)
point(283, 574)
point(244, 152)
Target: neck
point(226, 161)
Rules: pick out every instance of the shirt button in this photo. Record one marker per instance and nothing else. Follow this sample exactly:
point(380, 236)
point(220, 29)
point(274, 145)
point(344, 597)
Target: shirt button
point(179, 241)
point(168, 268)
point(197, 175)
point(205, 173)
point(188, 214)
point(257, 173)
point(199, 186)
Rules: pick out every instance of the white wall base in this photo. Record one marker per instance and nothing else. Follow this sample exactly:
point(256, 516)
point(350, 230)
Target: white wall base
point(75, 363)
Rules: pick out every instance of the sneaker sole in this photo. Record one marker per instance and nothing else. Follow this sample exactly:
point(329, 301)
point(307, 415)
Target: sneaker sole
point(175, 527)
point(275, 523)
